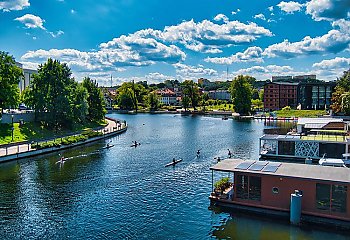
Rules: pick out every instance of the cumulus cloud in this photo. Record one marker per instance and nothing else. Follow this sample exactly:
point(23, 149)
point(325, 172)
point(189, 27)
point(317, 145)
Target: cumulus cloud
point(252, 54)
point(124, 51)
point(206, 36)
point(200, 70)
point(56, 34)
point(260, 16)
point(290, 7)
point(336, 40)
point(221, 17)
point(328, 9)
point(331, 64)
point(13, 5)
point(235, 12)
point(31, 21)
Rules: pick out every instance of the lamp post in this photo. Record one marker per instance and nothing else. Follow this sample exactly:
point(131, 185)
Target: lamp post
point(12, 127)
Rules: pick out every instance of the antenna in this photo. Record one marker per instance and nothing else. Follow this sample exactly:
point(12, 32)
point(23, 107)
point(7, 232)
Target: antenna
point(227, 72)
point(111, 80)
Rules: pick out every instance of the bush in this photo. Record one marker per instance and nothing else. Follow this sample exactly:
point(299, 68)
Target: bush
point(90, 133)
point(222, 184)
point(286, 108)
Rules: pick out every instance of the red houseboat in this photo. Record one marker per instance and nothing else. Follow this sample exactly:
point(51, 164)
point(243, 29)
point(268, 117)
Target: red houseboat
point(268, 188)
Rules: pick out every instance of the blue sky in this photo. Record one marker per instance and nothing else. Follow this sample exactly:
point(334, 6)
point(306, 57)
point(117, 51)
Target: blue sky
point(156, 40)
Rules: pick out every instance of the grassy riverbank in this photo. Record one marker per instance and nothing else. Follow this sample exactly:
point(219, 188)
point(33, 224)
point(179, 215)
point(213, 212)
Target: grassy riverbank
point(35, 131)
point(300, 113)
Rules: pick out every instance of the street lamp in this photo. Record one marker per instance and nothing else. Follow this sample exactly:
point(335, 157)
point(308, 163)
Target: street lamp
point(12, 127)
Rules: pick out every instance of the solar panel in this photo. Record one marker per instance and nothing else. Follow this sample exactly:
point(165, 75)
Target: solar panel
point(245, 165)
point(271, 167)
point(258, 166)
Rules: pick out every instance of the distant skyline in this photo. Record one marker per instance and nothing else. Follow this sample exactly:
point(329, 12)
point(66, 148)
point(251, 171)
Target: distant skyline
point(157, 40)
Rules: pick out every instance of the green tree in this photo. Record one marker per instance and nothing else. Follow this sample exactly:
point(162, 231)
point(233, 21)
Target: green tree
point(345, 105)
point(80, 103)
point(96, 101)
point(134, 92)
point(241, 92)
point(344, 81)
point(10, 76)
point(153, 100)
point(190, 90)
point(185, 102)
point(337, 99)
point(51, 93)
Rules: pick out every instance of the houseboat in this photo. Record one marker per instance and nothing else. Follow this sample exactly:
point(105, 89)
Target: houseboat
point(321, 194)
point(313, 139)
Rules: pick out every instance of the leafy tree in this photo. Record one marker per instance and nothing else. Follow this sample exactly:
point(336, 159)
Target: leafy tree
point(10, 76)
point(190, 90)
point(337, 99)
point(185, 102)
point(96, 102)
point(52, 91)
point(126, 98)
point(153, 100)
point(241, 92)
point(134, 92)
point(80, 103)
point(345, 105)
point(344, 81)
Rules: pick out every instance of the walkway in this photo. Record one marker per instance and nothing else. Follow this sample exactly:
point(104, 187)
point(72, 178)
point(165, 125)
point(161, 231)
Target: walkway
point(26, 147)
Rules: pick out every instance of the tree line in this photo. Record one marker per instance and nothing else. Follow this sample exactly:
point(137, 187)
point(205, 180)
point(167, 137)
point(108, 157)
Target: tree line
point(56, 98)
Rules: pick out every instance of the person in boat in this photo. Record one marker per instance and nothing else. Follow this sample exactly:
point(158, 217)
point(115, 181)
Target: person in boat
point(198, 152)
point(174, 160)
point(229, 153)
point(219, 159)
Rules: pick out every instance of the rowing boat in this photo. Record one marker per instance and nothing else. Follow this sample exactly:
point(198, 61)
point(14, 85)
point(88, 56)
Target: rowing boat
point(108, 146)
point(173, 163)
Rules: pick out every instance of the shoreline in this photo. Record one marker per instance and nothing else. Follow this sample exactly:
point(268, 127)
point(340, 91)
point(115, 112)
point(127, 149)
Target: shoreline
point(107, 133)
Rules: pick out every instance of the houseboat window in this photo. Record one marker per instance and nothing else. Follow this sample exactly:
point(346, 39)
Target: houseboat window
point(339, 198)
point(286, 148)
point(255, 188)
point(275, 190)
point(323, 196)
point(242, 186)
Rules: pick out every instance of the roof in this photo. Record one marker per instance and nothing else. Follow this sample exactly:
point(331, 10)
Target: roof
point(283, 83)
point(324, 121)
point(293, 170)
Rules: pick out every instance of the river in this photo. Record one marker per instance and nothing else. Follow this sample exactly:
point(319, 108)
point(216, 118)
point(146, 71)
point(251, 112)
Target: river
point(127, 193)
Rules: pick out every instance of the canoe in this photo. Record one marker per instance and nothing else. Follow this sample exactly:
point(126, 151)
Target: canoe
point(173, 163)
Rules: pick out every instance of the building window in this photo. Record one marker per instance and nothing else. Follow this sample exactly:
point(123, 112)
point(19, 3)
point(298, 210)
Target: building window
point(248, 187)
point(331, 197)
point(275, 190)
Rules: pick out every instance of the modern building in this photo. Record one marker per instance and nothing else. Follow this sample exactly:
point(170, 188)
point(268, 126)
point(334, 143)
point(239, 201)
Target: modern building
point(315, 95)
point(269, 188)
point(278, 95)
point(28, 77)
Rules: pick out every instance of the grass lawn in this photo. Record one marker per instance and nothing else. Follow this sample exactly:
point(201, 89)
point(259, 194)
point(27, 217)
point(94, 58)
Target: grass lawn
point(300, 113)
point(35, 131)
point(220, 107)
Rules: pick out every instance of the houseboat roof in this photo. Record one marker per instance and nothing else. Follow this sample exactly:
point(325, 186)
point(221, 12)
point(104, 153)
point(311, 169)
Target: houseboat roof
point(317, 138)
point(317, 122)
point(292, 170)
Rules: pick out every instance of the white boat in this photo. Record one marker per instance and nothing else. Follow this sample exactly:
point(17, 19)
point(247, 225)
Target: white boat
point(333, 162)
point(173, 163)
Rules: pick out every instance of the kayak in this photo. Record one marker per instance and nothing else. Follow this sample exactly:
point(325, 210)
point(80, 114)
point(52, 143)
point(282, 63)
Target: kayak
point(173, 163)
point(135, 145)
point(108, 146)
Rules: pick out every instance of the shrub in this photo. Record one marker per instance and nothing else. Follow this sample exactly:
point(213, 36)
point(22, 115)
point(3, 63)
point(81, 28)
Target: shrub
point(222, 184)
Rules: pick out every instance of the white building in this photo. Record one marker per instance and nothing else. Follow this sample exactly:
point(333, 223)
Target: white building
point(167, 97)
point(28, 77)
point(220, 95)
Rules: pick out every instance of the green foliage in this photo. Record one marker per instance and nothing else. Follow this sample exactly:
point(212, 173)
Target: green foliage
point(130, 95)
point(80, 103)
point(345, 104)
point(286, 108)
point(344, 81)
point(10, 75)
point(222, 184)
point(341, 91)
point(190, 94)
point(241, 92)
point(257, 104)
point(153, 101)
point(95, 100)
point(90, 133)
point(300, 113)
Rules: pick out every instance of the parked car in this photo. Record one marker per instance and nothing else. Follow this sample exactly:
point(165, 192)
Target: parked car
point(22, 106)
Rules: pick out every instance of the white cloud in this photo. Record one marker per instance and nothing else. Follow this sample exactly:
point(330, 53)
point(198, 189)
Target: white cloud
point(328, 9)
point(270, 8)
point(31, 21)
point(336, 40)
point(221, 17)
point(57, 34)
point(208, 37)
point(72, 11)
point(290, 7)
point(190, 71)
point(10, 5)
point(260, 16)
point(331, 64)
point(252, 54)
point(235, 12)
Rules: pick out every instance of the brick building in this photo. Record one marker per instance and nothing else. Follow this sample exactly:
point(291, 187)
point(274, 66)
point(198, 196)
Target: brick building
point(278, 95)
